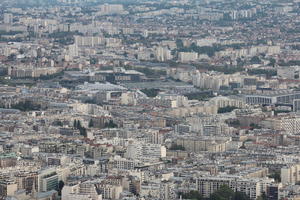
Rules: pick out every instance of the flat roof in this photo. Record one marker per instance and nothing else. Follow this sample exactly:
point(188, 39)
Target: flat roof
point(272, 93)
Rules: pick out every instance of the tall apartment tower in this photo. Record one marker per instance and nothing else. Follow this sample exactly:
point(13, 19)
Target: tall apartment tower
point(8, 18)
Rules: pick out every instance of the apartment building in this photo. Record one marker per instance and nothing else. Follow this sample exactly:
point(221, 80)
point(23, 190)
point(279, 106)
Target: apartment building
point(252, 187)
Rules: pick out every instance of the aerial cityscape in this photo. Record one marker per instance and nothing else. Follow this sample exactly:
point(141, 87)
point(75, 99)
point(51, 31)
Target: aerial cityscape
point(150, 99)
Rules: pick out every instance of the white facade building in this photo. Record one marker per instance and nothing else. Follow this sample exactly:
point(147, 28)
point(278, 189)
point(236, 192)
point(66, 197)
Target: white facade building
point(187, 56)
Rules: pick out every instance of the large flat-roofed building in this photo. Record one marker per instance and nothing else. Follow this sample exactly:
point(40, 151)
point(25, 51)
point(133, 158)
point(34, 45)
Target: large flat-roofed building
point(7, 187)
point(47, 180)
point(271, 97)
point(252, 187)
point(192, 144)
point(290, 124)
point(116, 75)
point(100, 87)
point(290, 174)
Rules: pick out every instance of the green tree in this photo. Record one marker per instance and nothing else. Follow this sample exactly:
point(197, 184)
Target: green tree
point(26, 106)
point(272, 62)
point(255, 60)
point(262, 197)
point(83, 131)
point(78, 125)
point(226, 109)
point(201, 96)
point(149, 72)
point(268, 73)
point(195, 195)
point(152, 92)
point(276, 175)
point(255, 126)
point(58, 123)
point(93, 61)
point(75, 123)
point(240, 196)
point(51, 76)
point(21, 51)
point(234, 122)
point(179, 44)
point(226, 193)
point(12, 57)
point(110, 124)
point(223, 193)
point(91, 123)
point(177, 147)
point(225, 69)
point(61, 184)
point(227, 17)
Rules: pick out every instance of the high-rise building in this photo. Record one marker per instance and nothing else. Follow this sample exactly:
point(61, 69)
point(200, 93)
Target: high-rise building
point(47, 180)
point(83, 191)
point(8, 18)
point(145, 151)
point(273, 191)
point(27, 181)
point(7, 187)
point(290, 174)
point(111, 8)
point(290, 124)
point(163, 54)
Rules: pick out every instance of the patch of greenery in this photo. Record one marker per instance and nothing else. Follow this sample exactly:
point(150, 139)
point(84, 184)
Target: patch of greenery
point(268, 73)
point(51, 76)
point(233, 123)
point(10, 32)
point(177, 147)
point(276, 175)
point(57, 123)
point(151, 73)
point(289, 63)
point(255, 126)
point(208, 50)
point(226, 109)
point(255, 60)
point(224, 69)
point(110, 124)
point(82, 130)
point(91, 123)
point(276, 112)
point(223, 193)
point(26, 106)
point(153, 92)
point(201, 96)
point(64, 37)
point(191, 195)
